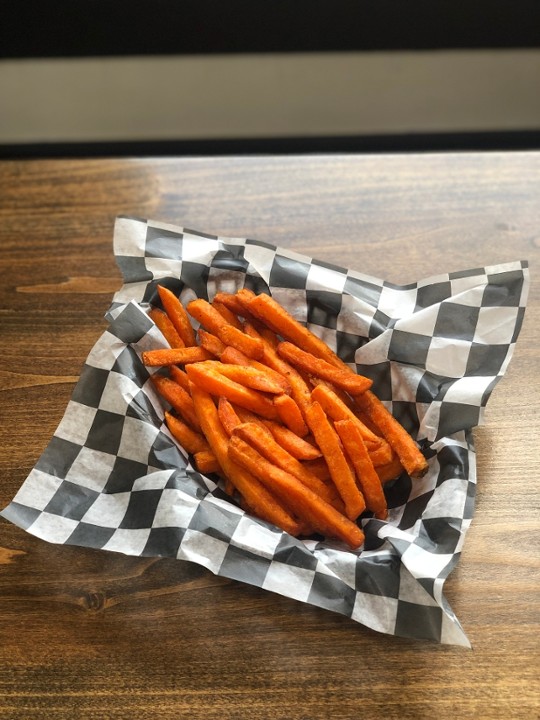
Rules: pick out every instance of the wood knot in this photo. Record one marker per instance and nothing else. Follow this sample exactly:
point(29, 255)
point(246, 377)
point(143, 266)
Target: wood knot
point(94, 600)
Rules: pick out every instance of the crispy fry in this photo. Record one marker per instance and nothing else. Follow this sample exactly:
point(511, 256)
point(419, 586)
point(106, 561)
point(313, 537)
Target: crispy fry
point(303, 502)
point(335, 407)
point(174, 356)
point(206, 377)
point(328, 441)
point(398, 438)
point(232, 356)
point(215, 323)
point(211, 343)
point(227, 314)
point(177, 315)
point(249, 376)
point(265, 308)
point(231, 302)
point(255, 493)
point(289, 441)
point(258, 437)
point(191, 440)
point(390, 471)
point(179, 376)
point(178, 398)
point(206, 463)
point(290, 414)
point(227, 415)
point(168, 330)
point(368, 479)
point(319, 468)
point(345, 379)
point(299, 388)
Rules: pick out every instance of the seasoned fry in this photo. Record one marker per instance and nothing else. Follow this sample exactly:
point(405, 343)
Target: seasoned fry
point(174, 356)
point(168, 330)
point(290, 414)
point(215, 323)
point(178, 398)
point(297, 438)
point(345, 379)
point(191, 440)
point(328, 441)
point(398, 438)
point(258, 437)
point(211, 343)
point(255, 493)
point(227, 415)
point(303, 502)
point(365, 472)
point(206, 377)
point(177, 315)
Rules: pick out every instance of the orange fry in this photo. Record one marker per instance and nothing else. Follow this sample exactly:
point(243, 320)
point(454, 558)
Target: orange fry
point(174, 356)
point(177, 315)
point(231, 302)
point(265, 308)
point(226, 313)
point(390, 471)
point(328, 441)
point(258, 437)
point(206, 377)
point(227, 415)
point(168, 330)
point(256, 495)
point(232, 356)
point(211, 343)
point(303, 502)
point(178, 398)
point(365, 472)
point(299, 388)
point(206, 462)
point(298, 447)
point(290, 414)
point(249, 376)
point(398, 438)
point(192, 441)
point(179, 376)
point(215, 323)
point(345, 379)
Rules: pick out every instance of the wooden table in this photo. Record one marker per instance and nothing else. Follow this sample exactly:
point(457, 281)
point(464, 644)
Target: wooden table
point(94, 634)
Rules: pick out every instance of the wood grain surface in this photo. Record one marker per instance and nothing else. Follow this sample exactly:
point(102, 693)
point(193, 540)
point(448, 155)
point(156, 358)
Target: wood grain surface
point(88, 634)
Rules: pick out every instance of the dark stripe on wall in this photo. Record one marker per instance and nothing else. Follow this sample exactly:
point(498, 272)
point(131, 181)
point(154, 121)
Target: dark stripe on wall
point(85, 28)
point(434, 142)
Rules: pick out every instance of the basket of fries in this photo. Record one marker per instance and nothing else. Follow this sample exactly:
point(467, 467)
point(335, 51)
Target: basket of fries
point(285, 423)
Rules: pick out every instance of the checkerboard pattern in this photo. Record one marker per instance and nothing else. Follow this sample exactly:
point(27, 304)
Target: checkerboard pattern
point(113, 477)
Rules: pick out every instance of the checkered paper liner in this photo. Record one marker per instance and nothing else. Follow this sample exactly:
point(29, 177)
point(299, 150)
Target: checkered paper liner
point(112, 476)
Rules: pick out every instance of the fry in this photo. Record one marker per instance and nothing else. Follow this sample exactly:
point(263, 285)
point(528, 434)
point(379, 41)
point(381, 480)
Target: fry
point(215, 323)
point(299, 388)
point(177, 315)
point(328, 441)
point(336, 408)
point(290, 414)
point(211, 343)
point(226, 313)
point(345, 379)
point(174, 356)
point(179, 376)
point(365, 472)
point(232, 356)
point(168, 330)
point(265, 308)
point(255, 493)
point(178, 398)
point(398, 438)
point(191, 440)
point(206, 377)
point(249, 376)
point(306, 504)
point(206, 462)
point(390, 471)
point(227, 415)
point(258, 437)
point(295, 445)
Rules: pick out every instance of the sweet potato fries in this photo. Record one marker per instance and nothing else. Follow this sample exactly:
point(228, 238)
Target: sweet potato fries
point(297, 437)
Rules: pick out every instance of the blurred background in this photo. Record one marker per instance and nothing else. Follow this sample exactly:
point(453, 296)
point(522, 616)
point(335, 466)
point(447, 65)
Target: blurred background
point(112, 77)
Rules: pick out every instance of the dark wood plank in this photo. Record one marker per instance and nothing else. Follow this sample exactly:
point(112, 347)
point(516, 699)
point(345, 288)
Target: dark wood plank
point(94, 634)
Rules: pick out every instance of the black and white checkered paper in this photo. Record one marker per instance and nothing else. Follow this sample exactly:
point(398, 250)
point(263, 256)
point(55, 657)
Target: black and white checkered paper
point(113, 477)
